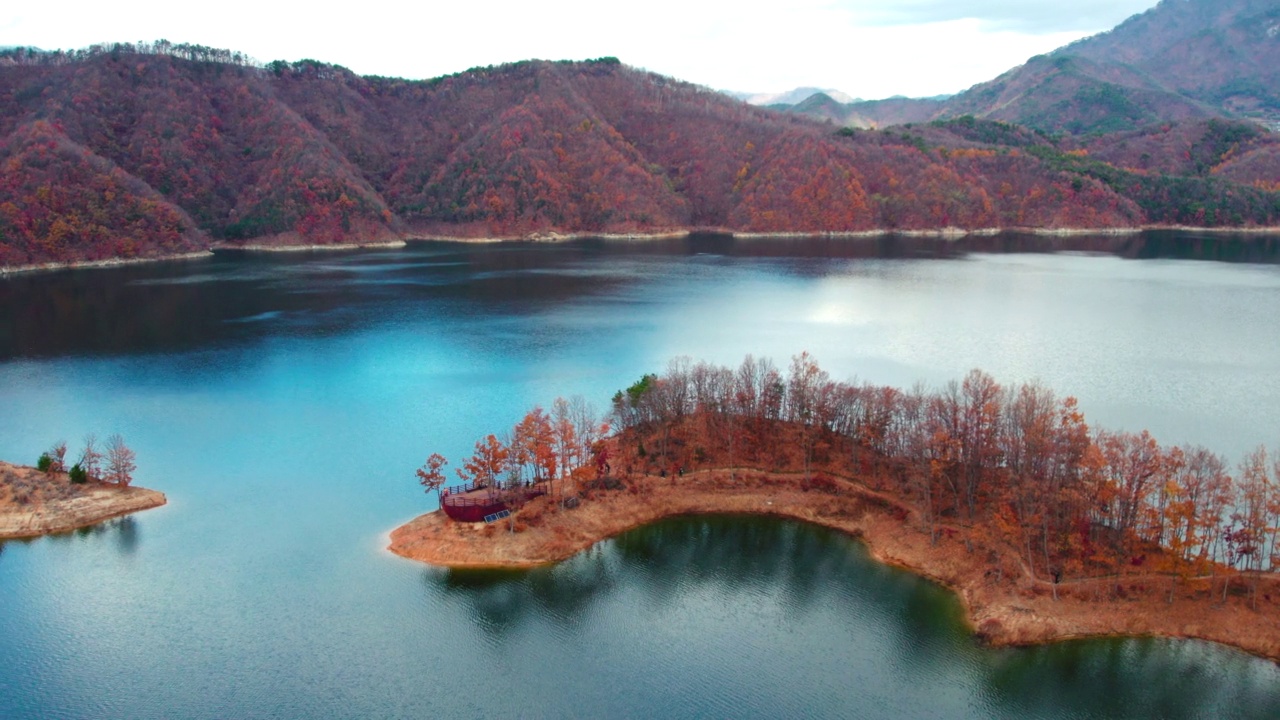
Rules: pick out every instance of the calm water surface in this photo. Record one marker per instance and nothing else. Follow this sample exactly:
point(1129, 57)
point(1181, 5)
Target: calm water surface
point(283, 403)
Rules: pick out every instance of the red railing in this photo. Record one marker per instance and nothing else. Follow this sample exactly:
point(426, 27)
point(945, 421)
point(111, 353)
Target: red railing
point(456, 501)
point(460, 489)
point(456, 496)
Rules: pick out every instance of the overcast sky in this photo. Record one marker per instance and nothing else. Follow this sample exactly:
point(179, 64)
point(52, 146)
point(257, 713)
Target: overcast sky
point(867, 48)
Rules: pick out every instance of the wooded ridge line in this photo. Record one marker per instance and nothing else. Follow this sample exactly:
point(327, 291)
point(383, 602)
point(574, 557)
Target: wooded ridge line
point(1015, 466)
point(126, 152)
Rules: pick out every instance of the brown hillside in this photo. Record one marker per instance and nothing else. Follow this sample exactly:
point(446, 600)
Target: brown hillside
point(309, 153)
point(61, 203)
point(1222, 52)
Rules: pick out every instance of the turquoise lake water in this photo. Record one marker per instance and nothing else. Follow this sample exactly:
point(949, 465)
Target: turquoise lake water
point(283, 403)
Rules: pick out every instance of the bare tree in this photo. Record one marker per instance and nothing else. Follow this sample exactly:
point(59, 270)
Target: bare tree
point(58, 457)
point(121, 461)
point(91, 459)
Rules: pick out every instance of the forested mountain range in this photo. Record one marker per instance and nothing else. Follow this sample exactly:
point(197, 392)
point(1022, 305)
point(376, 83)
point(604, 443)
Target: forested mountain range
point(1182, 59)
point(141, 151)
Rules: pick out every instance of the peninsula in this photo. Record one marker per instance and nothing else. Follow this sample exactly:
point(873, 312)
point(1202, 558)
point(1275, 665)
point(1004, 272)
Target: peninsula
point(35, 503)
point(1048, 564)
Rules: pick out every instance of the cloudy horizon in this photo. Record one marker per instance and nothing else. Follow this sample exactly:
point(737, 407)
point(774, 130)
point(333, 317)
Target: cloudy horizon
point(865, 48)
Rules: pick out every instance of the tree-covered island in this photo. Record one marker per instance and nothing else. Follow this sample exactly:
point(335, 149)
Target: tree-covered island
point(1046, 528)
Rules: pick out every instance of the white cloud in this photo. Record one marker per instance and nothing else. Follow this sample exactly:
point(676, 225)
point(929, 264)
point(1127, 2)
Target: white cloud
point(1016, 15)
point(868, 48)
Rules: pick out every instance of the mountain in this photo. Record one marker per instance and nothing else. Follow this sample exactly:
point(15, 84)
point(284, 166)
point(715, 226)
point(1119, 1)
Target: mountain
point(868, 113)
point(822, 105)
point(142, 151)
point(790, 97)
point(1069, 93)
point(1180, 60)
point(1224, 53)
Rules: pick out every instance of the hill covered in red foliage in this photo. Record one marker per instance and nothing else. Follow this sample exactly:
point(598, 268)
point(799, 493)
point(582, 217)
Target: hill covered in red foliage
point(202, 147)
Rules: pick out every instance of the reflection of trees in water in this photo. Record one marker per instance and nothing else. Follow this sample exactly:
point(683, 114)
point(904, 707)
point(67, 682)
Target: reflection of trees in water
point(799, 567)
point(126, 532)
point(1116, 678)
point(497, 601)
point(803, 568)
point(738, 554)
point(124, 529)
point(901, 621)
point(180, 306)
point(1162, 244)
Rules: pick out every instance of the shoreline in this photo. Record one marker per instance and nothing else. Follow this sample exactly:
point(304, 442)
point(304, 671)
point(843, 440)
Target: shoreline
point(254, 248)
point(88, 505)
point(98, 264)
point(1001, 609)
point(552, 237)
point(950, 233)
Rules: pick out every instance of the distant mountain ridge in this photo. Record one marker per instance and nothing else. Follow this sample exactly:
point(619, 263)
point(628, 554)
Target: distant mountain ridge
point(1180, 60)
point(791, 97)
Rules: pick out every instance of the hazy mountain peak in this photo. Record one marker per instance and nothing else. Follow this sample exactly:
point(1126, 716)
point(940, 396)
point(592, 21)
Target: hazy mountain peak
point(792, 97)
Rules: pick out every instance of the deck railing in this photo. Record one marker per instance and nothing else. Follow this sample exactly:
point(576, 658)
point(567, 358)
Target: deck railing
point(456, 496)
point(460, 489)
point(461, 501)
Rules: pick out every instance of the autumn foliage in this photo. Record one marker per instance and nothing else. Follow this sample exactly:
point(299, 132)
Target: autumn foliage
point(542, 447)
point(152, 149)
point(1014, 467)
point(59, 202)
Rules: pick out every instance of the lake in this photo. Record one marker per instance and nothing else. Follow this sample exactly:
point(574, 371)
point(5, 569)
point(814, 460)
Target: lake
point(283, 402)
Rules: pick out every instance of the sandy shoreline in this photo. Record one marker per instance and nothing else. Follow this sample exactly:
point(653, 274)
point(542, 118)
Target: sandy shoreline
point(946, 233)
point(250, 248)
point(76, 507)
point(1003, 605)
point(95, 264)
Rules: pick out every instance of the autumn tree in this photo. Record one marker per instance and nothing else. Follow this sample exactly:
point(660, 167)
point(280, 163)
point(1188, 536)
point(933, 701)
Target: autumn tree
point(564, 436)
point(979, 427)
point(487, 463)
point(1253, 516)
point(1133, 463)
point(431, 474)
point(1027, 443)
point(533, 447)
point(807, 386)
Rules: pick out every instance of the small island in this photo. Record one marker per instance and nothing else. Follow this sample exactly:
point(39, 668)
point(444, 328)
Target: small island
point(52, 498)
point(1046, 529)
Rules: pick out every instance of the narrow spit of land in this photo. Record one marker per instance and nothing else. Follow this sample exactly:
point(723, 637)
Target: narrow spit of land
point(1005, 605)
point(33, 503)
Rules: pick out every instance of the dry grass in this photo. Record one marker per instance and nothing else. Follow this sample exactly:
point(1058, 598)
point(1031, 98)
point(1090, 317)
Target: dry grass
point(1004, 605)
point(33, 503)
